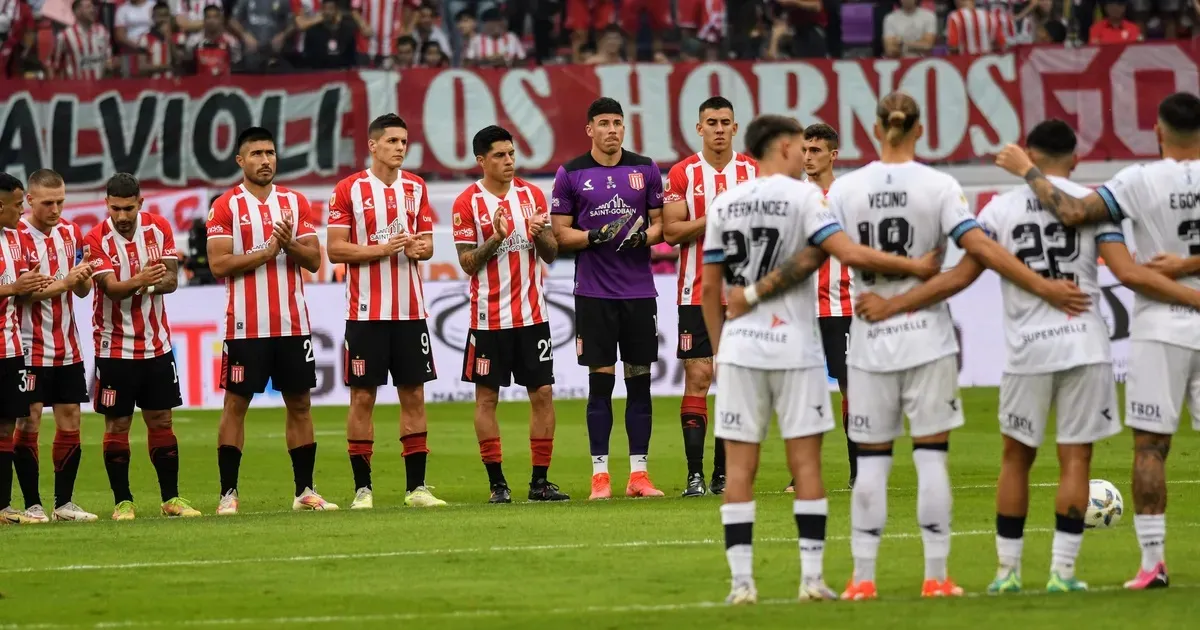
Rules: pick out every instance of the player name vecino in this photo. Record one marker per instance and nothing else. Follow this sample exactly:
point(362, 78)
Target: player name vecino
point(888, 199)
point(895, 329)
point(1185, 201)
point(1054, 333)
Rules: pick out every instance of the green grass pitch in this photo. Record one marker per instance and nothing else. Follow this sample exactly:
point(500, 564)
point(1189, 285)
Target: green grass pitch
point(645, 563)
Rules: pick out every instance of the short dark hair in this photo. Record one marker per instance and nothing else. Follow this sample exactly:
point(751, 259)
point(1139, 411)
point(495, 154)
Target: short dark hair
point(491, 15)
point(464, 14)
point(46, 178)
point(612, 29)
point(383, 123)
point(254, 134)
point(75, 5)
point(161, 4)
point(764, 130)
point(407, 40)
point(427, 5)
point(1181, 112)
point(821, 131)
point(486, 137)
point(1053, 137)
point(1057, 31)
point(602, 106)
point(122, 186)
point(213, 7)
point(715, 102)
point(9, 183)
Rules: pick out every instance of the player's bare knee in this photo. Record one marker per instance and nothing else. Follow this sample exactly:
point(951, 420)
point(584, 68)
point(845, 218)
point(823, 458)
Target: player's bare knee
point(1074, 457)
point(30, 424)
point(236, 404)
point(7, 427)
point(1018, 455)
point(412, 398)
point(362, 398)
point(298, 403)
point(487, 398)
point(697, 375)
point(158, 419)
point(541, 398)
point(66, 417)
point(118, 425)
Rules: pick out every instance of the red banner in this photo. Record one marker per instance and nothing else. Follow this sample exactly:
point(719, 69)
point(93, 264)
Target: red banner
point(173, 133)
point(972, 105)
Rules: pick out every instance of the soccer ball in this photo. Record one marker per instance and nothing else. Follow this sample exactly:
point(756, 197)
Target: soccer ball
point(1105, 505)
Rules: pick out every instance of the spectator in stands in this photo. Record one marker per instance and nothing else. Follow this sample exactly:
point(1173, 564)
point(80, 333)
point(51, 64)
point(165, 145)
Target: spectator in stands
point(494, 46)
point(1030, 22)
point(663, 257)
point(425, 27)
point(581, 18)
point(265, 27)
point(543, 16)
point(973, 30)
point(1167, 11)
point(1003, 18)
point(83, 51)
point(657, 14)
point(1051, 32)
point(133, 20)
point(702, 19)
point(466, 25)
point(806, 21)
point(213, 51)
point(432, 56)
point(189, 14)
point(909, 31)
point(23, 60)
point(333, 43)
point(405, 55)
point(609, 47)
point(161, 46)
point(1114, 28)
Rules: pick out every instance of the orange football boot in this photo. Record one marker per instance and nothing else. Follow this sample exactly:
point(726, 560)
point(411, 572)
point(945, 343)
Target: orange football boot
point(641, 486)
point(858, 591)
point(941, 588)
point(601, 487)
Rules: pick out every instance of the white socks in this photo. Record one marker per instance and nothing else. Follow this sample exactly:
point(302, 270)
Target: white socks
point(738, 519)
point(1152, 536)
point(1009, 551)
point(637, 463)
point(933, 509)
point(599, 464)
point(1064, 551)
point(811, 517)
point(868, 513)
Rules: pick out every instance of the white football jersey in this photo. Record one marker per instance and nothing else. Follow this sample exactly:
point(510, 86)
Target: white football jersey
point(751, 230)
point(1042, 339)
point(1162, 201)
point(905, 209)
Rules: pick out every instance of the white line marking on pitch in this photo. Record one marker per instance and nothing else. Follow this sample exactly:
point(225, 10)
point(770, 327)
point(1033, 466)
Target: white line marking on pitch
point(479, 613)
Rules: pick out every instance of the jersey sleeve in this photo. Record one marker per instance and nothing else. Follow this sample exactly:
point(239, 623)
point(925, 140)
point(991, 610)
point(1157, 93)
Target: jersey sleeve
point(676, 189)
point(1119, 192)
point(562, 197)
point(305, 226)
point(464, 220)
point(425, 215)
point(220, 219)
point(93, 253)
point(29, 258)
point(988, 219)
point(169, 251)
point(819, 221)
point(714, 234)
point(340, 212)
point(956, 214)
point(654, 188)
point(77, 242)
point(1109, 232)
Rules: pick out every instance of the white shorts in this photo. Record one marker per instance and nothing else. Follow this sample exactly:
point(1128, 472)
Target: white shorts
point(927, 394)
point(1085, 404)
point(747, 396)
point(1161, 375)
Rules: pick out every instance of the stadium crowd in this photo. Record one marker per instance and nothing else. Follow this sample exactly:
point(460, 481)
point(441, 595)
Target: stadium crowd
point(82, 39)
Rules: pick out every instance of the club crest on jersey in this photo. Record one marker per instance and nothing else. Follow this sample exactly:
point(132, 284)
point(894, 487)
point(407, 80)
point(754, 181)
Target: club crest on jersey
point(483, 367)
point(720, 188)
point(637, 181)
point(30, 381)
point(358, 367)
point(108, 397)
point(237, 373)
point(527, 210)
point(153, 253)
point(579, 346)
point(410, 204)
point(685, 342)
point(15, 251)
point(457, 220)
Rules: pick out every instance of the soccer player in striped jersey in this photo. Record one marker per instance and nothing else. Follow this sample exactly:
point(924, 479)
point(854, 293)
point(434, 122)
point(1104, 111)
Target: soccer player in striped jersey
point(260, 236)
point(52, 353)
point(1162, 201)
point(692, 186)
point(502, 234)
point(134, 263)
point(17, 282)
point(380, 226)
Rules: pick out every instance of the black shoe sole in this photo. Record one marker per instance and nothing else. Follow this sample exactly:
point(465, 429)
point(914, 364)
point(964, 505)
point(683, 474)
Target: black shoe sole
point(541, 499)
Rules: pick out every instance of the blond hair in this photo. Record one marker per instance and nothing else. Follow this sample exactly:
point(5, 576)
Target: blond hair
point(898, 113)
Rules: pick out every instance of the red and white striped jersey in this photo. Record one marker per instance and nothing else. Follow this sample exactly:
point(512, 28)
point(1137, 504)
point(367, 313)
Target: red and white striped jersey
point(974, 32)
point(507, 291)
point(48, 330)
point(82, 53)
point(268, 301)
point(483, 46)
point(834, 284)
point(9, 11)
point(191, 9)
point(304, 8)
point(1002, 17)
point(384, 18)
point(697, 183)
point(135, 327)
point(159, 51)
point(13, 262)
point(387, 289)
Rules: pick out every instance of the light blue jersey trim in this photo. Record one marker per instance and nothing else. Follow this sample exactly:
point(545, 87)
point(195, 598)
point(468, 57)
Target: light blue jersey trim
point(1110, 200)
point(824, 233)
point(714, 256)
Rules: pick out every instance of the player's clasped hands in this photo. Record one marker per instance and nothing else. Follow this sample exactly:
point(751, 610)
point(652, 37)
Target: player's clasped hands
point(79, 275)
point(396, 243)
point(500, 224)
point(151, 274)
point(281, 235)
point(31, 282)
point(1067, 297)
point(417, 248)
point(540, 223)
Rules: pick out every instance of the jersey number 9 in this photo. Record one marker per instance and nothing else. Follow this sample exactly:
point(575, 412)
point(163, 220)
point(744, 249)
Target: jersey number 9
point(757, 254)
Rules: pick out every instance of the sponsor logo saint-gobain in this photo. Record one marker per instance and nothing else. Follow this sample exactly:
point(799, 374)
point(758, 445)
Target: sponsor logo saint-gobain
point(450, 314)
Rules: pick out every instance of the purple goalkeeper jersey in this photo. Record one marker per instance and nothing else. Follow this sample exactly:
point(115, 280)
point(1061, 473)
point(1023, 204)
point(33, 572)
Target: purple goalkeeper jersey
point(594, 195)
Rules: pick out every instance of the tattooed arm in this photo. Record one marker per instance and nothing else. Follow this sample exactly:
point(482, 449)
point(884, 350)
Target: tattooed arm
point(1068, 208)
point(472, 258)
point(787, 275)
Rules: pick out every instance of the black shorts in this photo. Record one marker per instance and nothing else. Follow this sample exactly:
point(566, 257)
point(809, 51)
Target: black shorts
point(59, 385)
point(693, 334)
point(15, 388)
point(525, 353)
point(835, 336)
point(287, 362)
point(602, 325)
point(151, 384)
point(376, 348)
